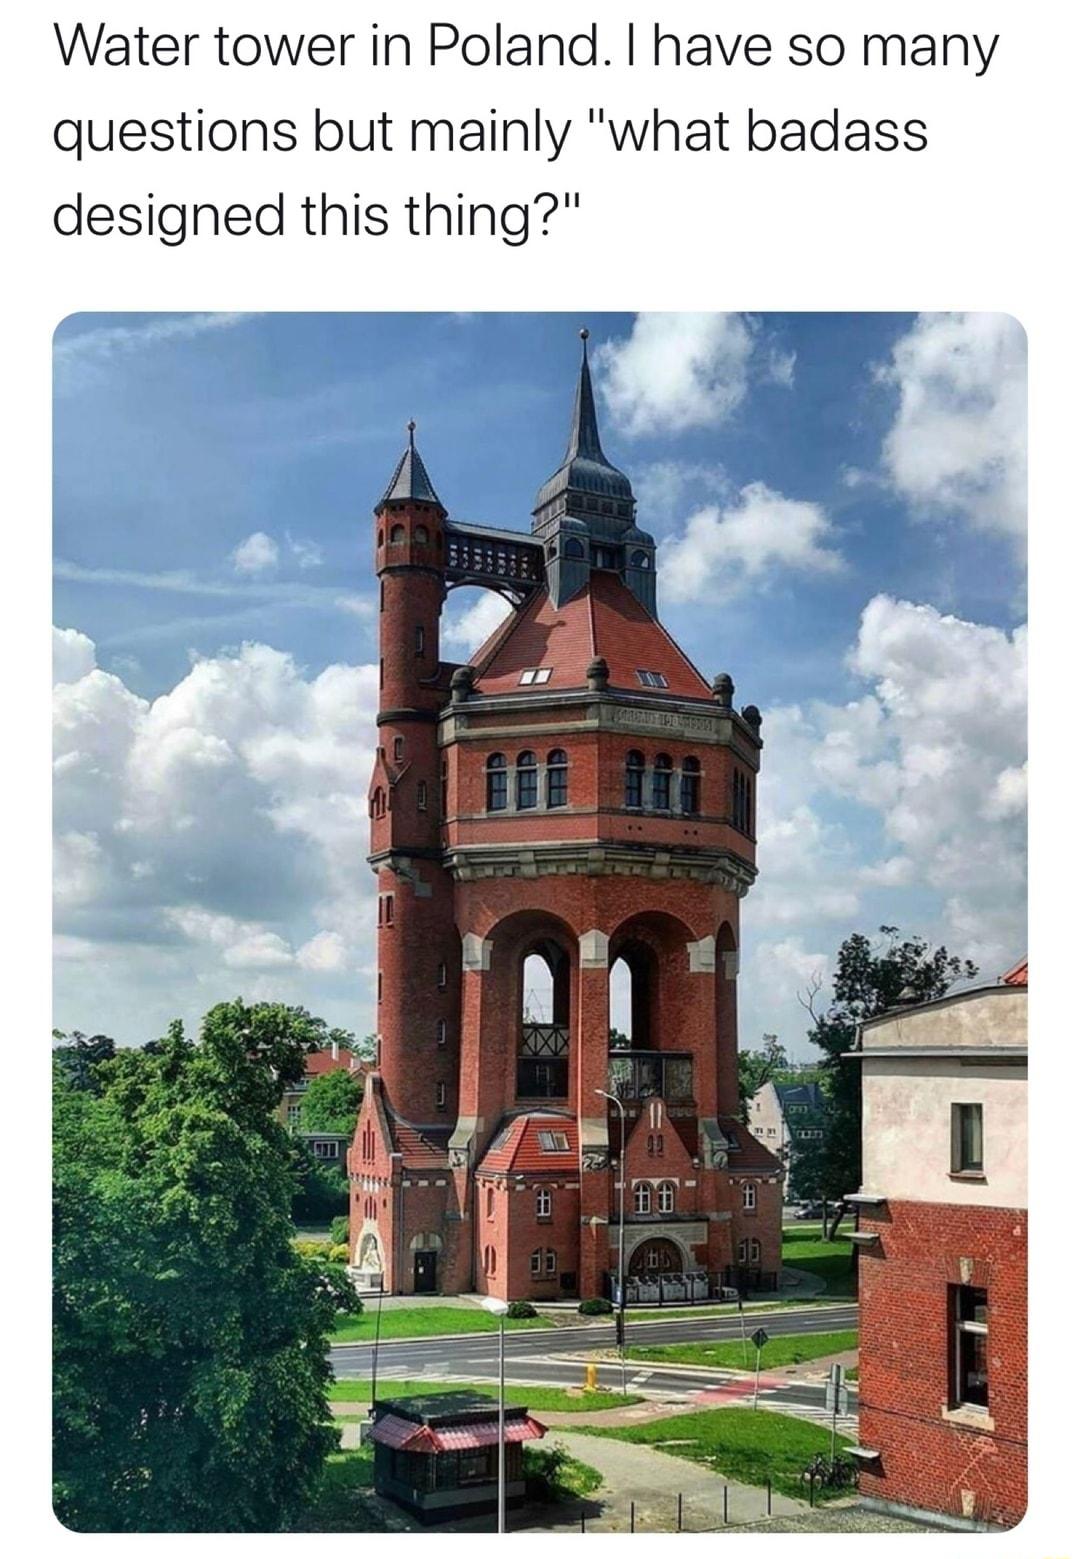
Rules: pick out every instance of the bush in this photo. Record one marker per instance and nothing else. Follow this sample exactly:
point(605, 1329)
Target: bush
point(520, 1310)
point(595, 1307)
point(338, 1253)
point(339, 1229)
point(312, 1250)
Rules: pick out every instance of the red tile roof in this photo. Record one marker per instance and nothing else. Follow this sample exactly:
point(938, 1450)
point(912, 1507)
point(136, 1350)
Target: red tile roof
point(1018, 974)
point(516, 1149)
point(604, 618)
point(321, 1061)
point(421, 1147)
point(404, 1435)
point(751, 1154)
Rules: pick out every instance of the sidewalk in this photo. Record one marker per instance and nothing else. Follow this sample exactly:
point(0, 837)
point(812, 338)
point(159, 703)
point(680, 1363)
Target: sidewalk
point(654, 1481)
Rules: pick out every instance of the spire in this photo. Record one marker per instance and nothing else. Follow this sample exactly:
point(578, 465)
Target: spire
point(586, 484)
point(584, 440)
point(410, 482)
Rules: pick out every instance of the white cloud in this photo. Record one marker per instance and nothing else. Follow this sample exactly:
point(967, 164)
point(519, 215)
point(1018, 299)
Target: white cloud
point(759, 534)
point(73, 655)
point(80, 358)
point(212, 838)
point(467, 628)
point(662, 487)
point(256, 554)
point(958, 443)
point(308, 554)
point(680, 371)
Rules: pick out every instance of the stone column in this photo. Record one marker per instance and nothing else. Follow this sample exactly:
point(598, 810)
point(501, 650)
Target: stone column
point(593, 1025)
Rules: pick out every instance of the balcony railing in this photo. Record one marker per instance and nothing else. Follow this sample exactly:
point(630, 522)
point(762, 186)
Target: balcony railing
point(650, 1074)
point(543, 1069)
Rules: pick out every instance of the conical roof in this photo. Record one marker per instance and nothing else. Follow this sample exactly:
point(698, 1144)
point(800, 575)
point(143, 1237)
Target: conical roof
point(410, 482)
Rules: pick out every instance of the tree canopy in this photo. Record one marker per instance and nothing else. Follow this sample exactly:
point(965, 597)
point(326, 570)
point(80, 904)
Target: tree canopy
point(332, 1102)
point(870, 978)
point(190, 1337)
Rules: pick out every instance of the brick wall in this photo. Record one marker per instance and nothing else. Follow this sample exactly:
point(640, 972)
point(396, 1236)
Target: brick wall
point(974, 1468)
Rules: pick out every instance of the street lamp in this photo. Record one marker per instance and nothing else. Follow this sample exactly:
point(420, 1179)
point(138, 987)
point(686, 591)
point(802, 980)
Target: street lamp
point(621, 1187)
point(499, 1307)
point(375, 1350)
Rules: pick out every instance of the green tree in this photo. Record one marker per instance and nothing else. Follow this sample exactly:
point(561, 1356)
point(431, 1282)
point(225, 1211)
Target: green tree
point(190, 1372)
point(332, 1102)
point(756, 1068)
point(870, 978)
point(78, 1056)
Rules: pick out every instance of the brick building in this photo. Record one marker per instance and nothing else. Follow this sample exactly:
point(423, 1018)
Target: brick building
point(943, 1256)
point(575, 800)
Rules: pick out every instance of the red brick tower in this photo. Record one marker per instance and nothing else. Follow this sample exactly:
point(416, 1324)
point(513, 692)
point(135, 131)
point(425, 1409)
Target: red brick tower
point(575, 798)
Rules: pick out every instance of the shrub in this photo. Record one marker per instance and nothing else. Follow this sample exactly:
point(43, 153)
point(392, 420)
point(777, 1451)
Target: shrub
point(595, 1307)
point(339, 1229)
point(338, 1253)
point(520, 1310)
point(312, 1250)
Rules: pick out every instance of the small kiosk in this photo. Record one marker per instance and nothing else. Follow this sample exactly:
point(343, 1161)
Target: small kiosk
point(438, 1456)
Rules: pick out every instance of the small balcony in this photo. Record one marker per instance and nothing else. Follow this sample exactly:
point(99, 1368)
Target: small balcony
point(543, 1068)
point(652, 1074)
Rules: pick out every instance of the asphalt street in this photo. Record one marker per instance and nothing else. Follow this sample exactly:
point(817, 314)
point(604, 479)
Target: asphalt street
point(539, 1357)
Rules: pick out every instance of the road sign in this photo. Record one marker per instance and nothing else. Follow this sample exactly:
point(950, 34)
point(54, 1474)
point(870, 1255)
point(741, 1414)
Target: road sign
point(760, 1337)
point(836, 1399)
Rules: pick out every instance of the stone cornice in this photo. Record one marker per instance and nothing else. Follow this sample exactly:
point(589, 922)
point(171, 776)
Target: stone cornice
point(575, 857)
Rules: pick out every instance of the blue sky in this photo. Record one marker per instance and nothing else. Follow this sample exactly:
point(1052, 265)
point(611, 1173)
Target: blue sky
point(839, 505)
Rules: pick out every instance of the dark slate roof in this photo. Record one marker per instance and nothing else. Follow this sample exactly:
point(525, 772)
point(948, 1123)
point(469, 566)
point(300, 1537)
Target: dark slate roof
point(585, 468)
point(410, 482)
point(800, 1093)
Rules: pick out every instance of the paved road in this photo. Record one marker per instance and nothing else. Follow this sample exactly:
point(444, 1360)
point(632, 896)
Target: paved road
point(535, 1357)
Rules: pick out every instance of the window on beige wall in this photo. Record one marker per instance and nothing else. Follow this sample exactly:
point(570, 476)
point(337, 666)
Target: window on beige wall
point(967, 1139)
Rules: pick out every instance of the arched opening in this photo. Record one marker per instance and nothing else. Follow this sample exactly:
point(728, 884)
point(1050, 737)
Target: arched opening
point(619, 1005)
point(543, 1067)
point(652, 1257)
point(648, 955)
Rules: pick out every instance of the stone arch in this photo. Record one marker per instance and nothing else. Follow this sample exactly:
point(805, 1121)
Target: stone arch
point(368, 1254)
point(652, 944)
point(426, 1241)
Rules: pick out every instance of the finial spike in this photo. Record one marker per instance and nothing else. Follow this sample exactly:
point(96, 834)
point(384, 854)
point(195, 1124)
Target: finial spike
point(411, 425)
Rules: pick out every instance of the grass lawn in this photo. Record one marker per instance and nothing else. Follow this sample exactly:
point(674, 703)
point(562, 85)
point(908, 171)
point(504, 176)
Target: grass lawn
point(806, 1251)
point(729, 1354)
point(552, 1399)
point(423, 1321)
point(339, 1507)
point(738, 1443)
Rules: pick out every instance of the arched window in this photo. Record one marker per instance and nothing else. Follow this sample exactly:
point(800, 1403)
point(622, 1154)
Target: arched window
point(526, 790)
point(421, 795)
point(557, 788)
point(749, 1196)
point(543, 1201)
point(490, 1202)
point(420, 535)
point(661, 783)
point(489, 1260)
point(397, 534)
point(744, 1248)
point(418, 637)
point(573, 549)
point(690, 787)
point(643, 1197)
point(635, 779)
point(496, 783)
point(378, 802)
point(639, 560)
point(665, 1198)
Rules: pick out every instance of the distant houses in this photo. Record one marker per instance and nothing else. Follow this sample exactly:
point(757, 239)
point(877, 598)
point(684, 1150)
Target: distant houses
point(788, 1118)
point(329, 1148)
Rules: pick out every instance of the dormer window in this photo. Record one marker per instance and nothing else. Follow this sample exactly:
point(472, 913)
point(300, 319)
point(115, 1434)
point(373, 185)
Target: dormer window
point(534, 676)
point(652, 678)
point(553, 1141)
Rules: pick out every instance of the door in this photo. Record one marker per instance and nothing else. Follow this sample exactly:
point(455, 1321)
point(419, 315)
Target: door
point(424, 1271)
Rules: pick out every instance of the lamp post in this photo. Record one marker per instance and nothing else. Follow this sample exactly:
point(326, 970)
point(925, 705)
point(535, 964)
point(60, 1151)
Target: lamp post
point(375, 1349)
point(621, 1188)
point(499, 1307)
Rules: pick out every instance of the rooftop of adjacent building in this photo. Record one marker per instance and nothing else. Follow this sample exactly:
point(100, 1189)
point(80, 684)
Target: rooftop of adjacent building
point(977, 1021)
